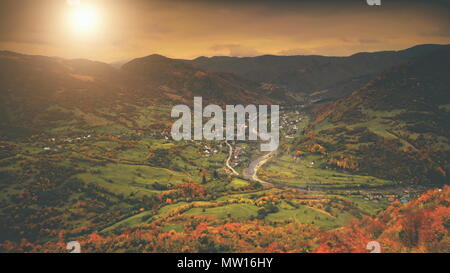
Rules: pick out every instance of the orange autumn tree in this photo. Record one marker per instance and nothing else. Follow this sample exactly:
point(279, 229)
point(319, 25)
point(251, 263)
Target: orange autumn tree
point(343, 162)
point(421, 225)
point(316, 148)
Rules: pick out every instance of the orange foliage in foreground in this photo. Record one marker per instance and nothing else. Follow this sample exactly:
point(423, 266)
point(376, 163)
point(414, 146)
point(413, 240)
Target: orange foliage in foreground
point(418, 226)
point(198, 236)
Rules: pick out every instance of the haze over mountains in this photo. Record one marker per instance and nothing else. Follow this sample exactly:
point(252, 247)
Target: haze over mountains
point(224, 78)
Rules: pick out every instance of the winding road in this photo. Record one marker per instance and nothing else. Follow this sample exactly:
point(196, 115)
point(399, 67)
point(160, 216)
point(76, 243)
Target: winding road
point(229, 158)
point(252, 170)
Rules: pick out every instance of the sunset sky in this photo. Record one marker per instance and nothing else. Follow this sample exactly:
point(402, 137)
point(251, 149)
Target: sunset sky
point(115, 30)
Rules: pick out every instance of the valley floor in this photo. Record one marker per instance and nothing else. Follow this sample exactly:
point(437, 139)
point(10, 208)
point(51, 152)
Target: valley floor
point(64, 187)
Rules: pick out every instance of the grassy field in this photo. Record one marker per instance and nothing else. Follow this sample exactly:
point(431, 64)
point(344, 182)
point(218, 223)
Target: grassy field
point(228, 212)
point(306, 172)
point(308, 215)
point(127, 179)
point(324, 210)
point(237, 183)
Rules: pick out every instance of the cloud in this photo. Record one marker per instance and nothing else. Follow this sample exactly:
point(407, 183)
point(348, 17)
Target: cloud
point(235, 50)
point(439, 31)
point(369, 41)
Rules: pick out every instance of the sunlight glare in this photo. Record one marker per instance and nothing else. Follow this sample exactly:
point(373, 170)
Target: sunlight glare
point(73, 2)
point(84, 19)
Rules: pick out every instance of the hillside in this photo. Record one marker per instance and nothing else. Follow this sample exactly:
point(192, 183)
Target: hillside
point(184, 81)
point(422, 226)
point(41, 93)
point(324, 77)
point(30, 84)
point(419, 226)
point(85, 146)
point(396, 127)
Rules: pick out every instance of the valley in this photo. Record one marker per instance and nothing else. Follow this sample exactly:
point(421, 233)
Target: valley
point(114, 182)
point(91, 158)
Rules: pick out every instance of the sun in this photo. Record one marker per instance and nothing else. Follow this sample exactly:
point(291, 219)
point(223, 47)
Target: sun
point(84, 19)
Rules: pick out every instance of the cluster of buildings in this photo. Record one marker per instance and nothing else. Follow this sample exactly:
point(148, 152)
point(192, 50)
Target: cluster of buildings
point(405, 196)
point(208, 151)
point(290, 124)
point(57, 145)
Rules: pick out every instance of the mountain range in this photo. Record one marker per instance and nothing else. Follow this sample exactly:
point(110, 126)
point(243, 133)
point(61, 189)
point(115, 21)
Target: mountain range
point(329, 77)
point(30, 84)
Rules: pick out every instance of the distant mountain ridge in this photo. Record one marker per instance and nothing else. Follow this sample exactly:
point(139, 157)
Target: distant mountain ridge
point(335, 76)
point(30, 84)
point(187, 80)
